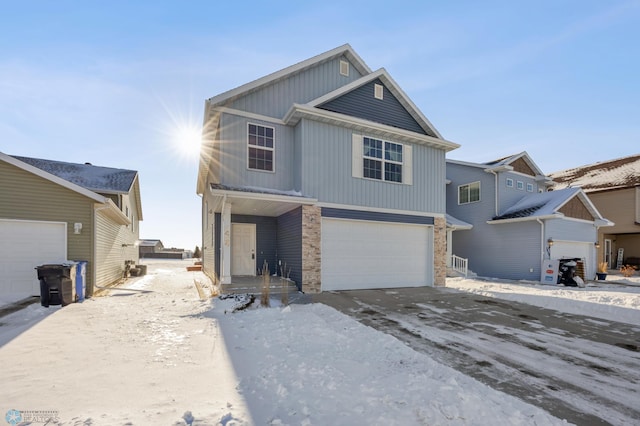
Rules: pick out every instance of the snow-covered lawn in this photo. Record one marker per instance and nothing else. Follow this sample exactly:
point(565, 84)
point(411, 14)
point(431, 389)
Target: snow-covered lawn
point(154, 353)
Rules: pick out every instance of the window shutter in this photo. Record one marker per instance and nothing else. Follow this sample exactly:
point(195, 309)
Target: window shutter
point(356, 156)
point(407, 165)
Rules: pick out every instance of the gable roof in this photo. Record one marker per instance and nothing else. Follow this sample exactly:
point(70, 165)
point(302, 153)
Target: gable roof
point(390, 85)
point(546, 205)
point(113, 211)
point(513, 159)
point(613, 174)
point(344, 50)
point(93, 178)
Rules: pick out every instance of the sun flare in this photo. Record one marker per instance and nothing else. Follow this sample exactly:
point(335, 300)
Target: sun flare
point(187, 140)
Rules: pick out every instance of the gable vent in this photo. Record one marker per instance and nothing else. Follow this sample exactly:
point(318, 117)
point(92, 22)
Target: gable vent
point(344, 68)
point(378, 91)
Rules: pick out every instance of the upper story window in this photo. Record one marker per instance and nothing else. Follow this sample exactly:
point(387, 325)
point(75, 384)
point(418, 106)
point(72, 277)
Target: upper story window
point(529, 187)
point(382, 160)
point(469, 193)
point(509, 183)
point(260, 147)
point(520, 185)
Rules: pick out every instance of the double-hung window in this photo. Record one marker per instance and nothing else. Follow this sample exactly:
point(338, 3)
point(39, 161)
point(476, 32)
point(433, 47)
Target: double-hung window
point(469, 193)
point(260, 146)
point(382, 160)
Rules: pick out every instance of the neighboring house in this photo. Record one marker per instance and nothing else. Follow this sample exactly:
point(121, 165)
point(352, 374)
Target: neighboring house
point(147, 248)
point(154, 249)
point(54, 211)
point(328, 167)
point(614, 188)
point(515, 223)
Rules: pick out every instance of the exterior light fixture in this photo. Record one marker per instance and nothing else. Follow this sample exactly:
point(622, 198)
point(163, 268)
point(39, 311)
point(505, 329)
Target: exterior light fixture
point(597, 244)
point(550, 242)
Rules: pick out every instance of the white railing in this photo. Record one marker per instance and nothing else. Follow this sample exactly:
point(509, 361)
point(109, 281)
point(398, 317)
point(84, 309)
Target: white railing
point(460, 265)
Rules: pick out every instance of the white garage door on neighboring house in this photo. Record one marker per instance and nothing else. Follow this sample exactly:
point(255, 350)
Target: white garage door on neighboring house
point(575, 249)
point(359, 254)
point(24, 245)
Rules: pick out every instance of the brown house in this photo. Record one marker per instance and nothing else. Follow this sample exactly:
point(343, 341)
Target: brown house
point(614, 188)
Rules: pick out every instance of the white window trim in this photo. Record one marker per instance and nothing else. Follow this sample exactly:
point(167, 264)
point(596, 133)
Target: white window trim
point(520, 185)
point(378, 91)
point(509, 183)
point(529, 187)
point(469, 192)
point(273, 150)
point(344, 68)
point(357, 160)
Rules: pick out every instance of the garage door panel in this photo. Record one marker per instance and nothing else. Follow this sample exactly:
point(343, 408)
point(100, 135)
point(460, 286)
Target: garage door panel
point(23, 246)
point(573, 249)
point(364, 254)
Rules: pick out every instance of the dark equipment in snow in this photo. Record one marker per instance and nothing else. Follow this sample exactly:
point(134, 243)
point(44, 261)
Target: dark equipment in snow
point(567, 269)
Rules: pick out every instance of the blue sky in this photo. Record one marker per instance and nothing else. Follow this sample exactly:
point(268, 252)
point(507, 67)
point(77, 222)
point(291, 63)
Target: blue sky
point(112, 83)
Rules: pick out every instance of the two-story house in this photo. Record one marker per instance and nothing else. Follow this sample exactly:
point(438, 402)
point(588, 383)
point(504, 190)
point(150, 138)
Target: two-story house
point(328, 167)
point(55, 211)
point(614, 188)
point(516, 223)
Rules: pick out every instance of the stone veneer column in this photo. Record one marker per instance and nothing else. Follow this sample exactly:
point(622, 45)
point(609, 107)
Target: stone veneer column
point(440, 251)
point(311, 247)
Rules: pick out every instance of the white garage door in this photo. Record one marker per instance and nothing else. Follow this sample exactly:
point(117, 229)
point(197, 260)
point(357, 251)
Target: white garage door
point(365, 254)
point(573, 249)
point(23, 246)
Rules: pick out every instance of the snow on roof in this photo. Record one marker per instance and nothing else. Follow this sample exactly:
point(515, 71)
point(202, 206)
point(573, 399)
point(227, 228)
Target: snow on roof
point(453, 222)
point(94, 178)
point(613, 174)
point(540, 204)
point(146, 243)
point(256, 190)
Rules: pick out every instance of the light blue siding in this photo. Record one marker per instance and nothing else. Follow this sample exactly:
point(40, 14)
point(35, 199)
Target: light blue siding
point(234, 170)
point(570, 230)
point(290, 244)
point(276, 99)
point(509, 196)
point(476, 212)
point(327, 173)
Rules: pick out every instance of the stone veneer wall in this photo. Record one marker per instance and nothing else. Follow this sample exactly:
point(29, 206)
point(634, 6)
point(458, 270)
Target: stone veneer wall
point(311, 246)
point(440, 251)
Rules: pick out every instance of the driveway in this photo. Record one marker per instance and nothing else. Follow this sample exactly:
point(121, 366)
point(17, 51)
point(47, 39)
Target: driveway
point(581, 369)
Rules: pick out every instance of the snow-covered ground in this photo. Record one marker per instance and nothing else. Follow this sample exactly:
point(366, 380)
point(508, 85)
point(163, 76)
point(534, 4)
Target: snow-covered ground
point(155, 353)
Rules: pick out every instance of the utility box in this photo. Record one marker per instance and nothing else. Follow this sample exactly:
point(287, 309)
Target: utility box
point(57, 284)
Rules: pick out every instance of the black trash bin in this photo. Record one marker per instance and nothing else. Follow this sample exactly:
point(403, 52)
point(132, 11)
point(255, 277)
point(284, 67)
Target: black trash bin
point(56, 284)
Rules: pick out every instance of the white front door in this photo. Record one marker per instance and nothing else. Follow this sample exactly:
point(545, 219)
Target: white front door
point(243, 249)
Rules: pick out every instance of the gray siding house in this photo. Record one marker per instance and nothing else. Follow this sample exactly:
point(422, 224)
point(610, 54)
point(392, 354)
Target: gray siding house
point(517, 225)
point(328, 167)
point(54, 211)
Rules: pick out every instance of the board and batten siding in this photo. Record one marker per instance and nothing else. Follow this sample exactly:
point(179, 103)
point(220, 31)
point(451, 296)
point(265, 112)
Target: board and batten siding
point(328, 176)
point(275, 99)
point(208, 237)
point(234, 169)
point(26, 196)
point(361, 103)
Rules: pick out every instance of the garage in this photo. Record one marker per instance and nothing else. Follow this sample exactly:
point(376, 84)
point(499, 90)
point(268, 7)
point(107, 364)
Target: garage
point(23, 246)
point(361, 254)
point(576, 249)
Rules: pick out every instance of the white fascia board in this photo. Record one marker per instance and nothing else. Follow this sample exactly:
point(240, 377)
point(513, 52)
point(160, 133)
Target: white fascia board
point(298, 111)
point(114, 212)
point(467, 163)
point(251, 115)
point(52, 178)
point(262, 196)
point(345, 50)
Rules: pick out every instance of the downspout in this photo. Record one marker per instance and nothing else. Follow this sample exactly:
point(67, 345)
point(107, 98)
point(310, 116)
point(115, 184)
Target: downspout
point(542, 251)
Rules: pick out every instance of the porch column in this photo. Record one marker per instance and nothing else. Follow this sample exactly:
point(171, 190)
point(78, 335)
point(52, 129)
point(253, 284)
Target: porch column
point(440, 251)
point(225, 249)
point(311, 246)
